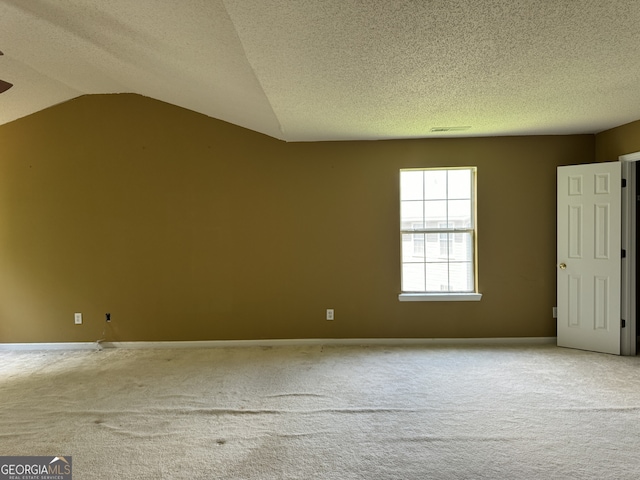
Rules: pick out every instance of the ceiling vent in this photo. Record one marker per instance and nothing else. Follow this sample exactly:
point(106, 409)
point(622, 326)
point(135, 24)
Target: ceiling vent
point(448, 129)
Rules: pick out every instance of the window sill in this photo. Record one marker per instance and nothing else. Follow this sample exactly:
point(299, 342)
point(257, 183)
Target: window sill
point(439, 297)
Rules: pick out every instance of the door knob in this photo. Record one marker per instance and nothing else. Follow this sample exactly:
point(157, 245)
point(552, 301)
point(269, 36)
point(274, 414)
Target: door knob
point(562, 266)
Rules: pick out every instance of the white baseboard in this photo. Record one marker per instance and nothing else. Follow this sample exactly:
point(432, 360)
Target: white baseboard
point(281, 343)
point(50, 346)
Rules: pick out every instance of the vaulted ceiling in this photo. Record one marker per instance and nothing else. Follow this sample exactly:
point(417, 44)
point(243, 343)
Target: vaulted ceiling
point(313, 70)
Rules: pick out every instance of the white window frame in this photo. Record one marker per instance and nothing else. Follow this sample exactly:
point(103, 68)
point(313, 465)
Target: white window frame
point(446, 296)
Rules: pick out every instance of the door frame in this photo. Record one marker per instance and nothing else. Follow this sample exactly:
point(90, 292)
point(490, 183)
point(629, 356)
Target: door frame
point(628, 270)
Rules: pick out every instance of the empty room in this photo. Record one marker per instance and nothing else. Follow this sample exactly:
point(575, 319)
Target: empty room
point(319, 239)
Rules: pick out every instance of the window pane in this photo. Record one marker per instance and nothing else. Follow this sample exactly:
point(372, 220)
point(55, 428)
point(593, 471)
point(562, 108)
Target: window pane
point(435, 211)
point(460, 213)
point(459, 184)
point(411, 214)
point(437, 277)
point(461, 277)
point(411, 185)
point(413, 247)
point(435, 184)
point(407, 248)
point(433, 248)
point(461, 251)
point(413, 277)
point(418, 245)
point(446, 244)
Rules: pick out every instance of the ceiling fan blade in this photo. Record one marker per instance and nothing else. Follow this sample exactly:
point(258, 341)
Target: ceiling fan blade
point(4, 86)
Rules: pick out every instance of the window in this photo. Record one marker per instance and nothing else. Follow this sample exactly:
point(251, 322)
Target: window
point(437, 228)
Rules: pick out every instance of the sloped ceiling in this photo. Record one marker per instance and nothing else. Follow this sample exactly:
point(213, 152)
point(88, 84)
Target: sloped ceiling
point(313, 70)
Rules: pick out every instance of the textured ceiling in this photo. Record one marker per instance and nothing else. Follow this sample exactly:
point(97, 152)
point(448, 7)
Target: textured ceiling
point(306, 70)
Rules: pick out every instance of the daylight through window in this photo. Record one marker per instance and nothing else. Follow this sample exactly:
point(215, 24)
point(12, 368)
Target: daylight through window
point(437, 227)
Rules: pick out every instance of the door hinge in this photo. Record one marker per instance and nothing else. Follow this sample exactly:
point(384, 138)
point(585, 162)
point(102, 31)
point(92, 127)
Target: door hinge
point(623, 323)
point(624, 254)
point(624, 182)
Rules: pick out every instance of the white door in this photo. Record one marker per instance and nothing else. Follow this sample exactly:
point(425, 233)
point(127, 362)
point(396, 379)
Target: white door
point(589, 231)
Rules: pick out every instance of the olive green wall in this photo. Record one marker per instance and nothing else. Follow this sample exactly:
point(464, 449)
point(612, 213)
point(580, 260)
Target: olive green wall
point(610, 144)
point(188, 228)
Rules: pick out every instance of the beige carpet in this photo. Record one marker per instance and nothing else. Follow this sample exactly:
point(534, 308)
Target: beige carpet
point(326, 412)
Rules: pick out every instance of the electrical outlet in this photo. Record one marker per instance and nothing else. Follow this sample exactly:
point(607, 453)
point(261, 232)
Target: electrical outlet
point(555, 312)
point(77, 318)
point(329, 313)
